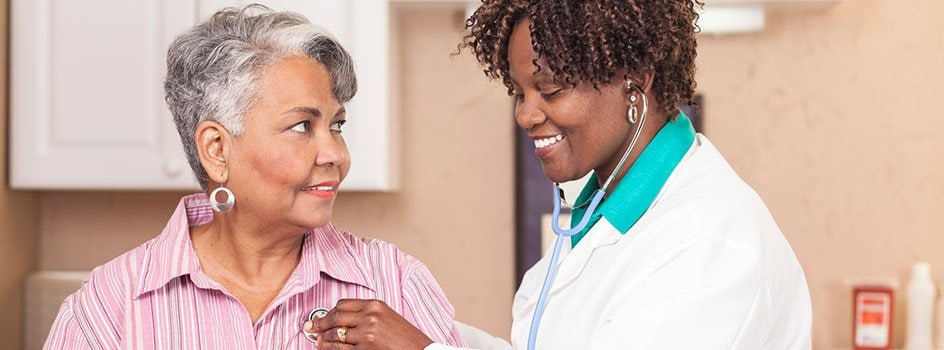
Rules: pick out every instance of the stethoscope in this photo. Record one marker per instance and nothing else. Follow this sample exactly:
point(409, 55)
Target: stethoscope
point(314, 315)
point(595, 200)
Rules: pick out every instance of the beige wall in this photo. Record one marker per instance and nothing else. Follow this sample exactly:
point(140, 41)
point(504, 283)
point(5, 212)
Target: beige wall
point(452, 213)
point(835, 118)
point(18, 221)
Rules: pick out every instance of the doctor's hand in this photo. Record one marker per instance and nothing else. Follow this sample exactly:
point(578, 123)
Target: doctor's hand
point(366, 324)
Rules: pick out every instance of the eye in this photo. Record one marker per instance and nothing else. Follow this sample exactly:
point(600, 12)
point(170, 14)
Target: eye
point(304, 126)
point(519, 97)
point(336, 126)
point(551, 93)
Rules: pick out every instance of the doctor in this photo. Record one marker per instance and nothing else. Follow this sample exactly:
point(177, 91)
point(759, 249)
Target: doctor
point(678, 252)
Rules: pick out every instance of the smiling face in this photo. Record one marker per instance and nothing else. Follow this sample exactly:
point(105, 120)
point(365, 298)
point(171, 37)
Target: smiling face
point(575, 128)
point(286, 166)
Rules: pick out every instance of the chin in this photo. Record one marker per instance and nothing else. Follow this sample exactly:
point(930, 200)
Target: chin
point(560, 176)
point(315, 222)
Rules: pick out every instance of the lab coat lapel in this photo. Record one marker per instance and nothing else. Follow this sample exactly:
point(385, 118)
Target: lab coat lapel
point(572, 263)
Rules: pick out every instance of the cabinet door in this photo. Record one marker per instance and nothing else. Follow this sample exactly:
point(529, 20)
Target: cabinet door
point(362, 27)
point(87, 106)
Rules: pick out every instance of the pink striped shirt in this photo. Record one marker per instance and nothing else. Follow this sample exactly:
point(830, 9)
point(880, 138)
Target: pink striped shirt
point(156, 296)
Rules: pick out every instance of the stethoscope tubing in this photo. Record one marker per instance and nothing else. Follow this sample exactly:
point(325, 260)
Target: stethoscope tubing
point(555, 255)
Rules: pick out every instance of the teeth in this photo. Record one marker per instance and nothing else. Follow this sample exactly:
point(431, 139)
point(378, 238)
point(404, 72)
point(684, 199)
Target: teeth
point(541, 143)
point(319, 188)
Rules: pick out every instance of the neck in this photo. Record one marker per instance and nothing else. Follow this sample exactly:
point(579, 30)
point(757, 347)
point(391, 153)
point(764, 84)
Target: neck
point(246, 253)
point(649, 131)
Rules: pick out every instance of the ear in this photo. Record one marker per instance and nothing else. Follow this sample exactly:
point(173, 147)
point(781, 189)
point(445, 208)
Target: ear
point(642, 79)
point(213, 142)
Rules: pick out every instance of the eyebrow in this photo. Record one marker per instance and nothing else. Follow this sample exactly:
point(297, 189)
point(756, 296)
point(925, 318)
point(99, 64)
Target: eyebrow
point(543, 74)
point(314, 112)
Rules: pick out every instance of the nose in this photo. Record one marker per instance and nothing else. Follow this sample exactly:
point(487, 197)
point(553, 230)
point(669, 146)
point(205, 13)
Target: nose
point(528, 114)
point(332, 151)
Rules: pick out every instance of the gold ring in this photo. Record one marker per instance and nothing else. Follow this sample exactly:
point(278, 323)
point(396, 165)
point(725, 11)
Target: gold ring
point(342, 334)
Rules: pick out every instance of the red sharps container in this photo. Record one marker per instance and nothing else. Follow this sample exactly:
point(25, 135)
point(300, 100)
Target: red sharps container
point(872, 311)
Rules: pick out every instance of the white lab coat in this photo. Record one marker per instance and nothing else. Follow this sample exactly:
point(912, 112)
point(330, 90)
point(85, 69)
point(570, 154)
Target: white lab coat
point(706, 267)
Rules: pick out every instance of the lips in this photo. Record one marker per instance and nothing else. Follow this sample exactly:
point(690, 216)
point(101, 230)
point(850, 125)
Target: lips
point(546, 144)
point(323, 186)
point(547, 141)
point(325, 189)
point(318, 188)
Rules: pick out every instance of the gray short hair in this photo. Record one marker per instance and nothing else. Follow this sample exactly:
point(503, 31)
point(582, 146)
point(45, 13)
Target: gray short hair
point(211, 68)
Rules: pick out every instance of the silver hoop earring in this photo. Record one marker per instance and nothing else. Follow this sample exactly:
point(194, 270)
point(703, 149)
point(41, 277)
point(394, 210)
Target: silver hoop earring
point(224, 206)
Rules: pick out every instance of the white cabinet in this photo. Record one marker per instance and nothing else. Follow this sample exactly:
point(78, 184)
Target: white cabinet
point(87, 103)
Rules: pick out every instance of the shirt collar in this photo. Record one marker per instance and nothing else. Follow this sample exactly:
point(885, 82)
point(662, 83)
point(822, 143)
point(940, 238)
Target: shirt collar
point(642, 183)
point(336, 253)
point(171, 255)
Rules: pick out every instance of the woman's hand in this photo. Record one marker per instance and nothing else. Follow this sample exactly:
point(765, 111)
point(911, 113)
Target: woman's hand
point(366, 324)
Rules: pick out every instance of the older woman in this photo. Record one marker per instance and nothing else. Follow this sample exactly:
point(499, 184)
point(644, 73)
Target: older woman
point(680, 253)
point(258, 99)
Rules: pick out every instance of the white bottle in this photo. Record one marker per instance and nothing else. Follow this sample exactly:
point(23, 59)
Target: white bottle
point(920, 307)
point(939, 323)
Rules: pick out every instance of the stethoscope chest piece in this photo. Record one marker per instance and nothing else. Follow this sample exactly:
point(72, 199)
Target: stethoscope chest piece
point(317, 313)
point(314, 315)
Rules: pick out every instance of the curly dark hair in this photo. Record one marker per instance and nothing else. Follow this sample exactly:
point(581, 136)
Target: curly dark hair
point(589, 41)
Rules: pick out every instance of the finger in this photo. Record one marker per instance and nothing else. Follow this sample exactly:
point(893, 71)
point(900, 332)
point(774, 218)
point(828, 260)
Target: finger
point(353, 304)
point(336, 318)
point(326, 345)
point(351, 336)
point(359, 307)
point(329, 319)
point(309, 327)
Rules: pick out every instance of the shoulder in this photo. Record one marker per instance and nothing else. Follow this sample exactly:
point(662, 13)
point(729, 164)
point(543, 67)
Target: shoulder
point(707, 216)
point(377, 253)
point(705, 198)
point(709, 213)
point(118, 278)
point(706, 177)
point(99, 306)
